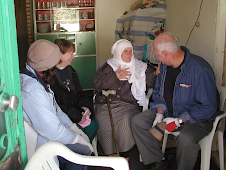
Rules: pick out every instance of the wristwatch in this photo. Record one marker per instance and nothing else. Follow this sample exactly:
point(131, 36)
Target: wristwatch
point(181, 121)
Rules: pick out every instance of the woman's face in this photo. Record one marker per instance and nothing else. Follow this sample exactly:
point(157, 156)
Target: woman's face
point(66, 58)
point(127, 55)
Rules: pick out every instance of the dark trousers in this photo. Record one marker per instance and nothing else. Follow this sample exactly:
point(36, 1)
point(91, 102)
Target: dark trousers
point(186, 142)
point(77, 148)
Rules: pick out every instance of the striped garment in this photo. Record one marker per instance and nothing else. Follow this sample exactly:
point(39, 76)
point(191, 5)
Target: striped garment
point(141, 25)
point(122, 114)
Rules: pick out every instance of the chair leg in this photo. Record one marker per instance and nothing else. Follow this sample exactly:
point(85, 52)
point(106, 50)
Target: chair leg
point(141, 160)
point(164, 143)
point(221, 149)
point(94, 144)
point(205, 154)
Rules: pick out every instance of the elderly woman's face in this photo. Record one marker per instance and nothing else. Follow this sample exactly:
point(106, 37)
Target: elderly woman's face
point(127, 55)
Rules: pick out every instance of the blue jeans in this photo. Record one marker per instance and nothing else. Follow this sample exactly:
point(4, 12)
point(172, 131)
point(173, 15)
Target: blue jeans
point(77, 148)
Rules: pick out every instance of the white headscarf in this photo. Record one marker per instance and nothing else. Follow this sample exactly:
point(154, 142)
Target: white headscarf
point(136, 67)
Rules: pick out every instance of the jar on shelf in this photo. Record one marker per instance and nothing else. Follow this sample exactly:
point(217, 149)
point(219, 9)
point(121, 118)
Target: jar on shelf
point(53, 4)
point(43, 5)
point(80, 15)
point(46, 17)
point(58, 4)
point(63, 4)
point(85, 15)
point(40, 17)
point(38, 6)
point(48, 5)
point(84, 3)
point(91, 15)
point(92, 2)
point(79, 3)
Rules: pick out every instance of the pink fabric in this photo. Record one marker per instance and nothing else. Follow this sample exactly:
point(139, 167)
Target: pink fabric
point(86, 123)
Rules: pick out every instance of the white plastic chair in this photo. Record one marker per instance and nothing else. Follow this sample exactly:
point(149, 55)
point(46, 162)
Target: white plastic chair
point(94, 144)
point(145, 107)
point(44, 158)
point(206, 142)
point(31, 137)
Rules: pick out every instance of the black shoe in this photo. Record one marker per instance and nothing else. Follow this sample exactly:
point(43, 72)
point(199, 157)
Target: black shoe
point(161, 165)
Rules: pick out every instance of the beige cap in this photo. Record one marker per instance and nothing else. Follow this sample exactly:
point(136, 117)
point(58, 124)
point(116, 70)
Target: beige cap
point(43, 55)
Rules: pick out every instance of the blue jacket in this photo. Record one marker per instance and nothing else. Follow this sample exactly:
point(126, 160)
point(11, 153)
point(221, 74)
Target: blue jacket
point(199, 101)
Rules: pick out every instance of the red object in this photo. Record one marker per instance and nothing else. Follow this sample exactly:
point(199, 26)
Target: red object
point(125, 13)
point(40, 74)
point(170, 127)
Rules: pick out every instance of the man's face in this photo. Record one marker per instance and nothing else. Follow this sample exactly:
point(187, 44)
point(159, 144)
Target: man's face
point(162, 57)
point(159, 56)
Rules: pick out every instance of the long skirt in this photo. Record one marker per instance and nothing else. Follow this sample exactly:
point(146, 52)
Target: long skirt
point(122, 114)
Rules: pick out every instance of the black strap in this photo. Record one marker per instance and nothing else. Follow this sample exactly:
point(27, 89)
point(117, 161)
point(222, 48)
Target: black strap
point(160, 130)
point(37, 77)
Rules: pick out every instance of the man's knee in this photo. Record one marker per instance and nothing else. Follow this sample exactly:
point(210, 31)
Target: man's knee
point(185, 139)
point(135, 120)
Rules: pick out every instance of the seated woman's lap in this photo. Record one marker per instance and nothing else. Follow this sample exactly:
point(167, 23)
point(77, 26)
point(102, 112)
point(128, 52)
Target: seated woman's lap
point(79, 149)
point(122, 114)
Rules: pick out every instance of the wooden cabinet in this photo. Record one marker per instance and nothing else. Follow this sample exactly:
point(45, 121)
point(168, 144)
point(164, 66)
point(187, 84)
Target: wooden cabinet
point(86, 70)
point(73, 20)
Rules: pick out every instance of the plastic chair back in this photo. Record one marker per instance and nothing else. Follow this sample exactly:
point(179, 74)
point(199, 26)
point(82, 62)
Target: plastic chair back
point(44, 158)
point(31, 139)
point(145, 107)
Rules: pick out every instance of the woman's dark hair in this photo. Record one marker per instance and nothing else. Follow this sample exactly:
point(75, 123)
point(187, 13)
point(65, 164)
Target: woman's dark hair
point(50, 75)
point(64, 45)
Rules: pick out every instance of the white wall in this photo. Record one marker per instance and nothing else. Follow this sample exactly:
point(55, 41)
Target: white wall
point(180, 18)
point(206, 41)
point(108, 11)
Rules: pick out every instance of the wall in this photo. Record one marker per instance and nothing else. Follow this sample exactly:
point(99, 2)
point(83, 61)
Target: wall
point(204, 41)
point(108, 12)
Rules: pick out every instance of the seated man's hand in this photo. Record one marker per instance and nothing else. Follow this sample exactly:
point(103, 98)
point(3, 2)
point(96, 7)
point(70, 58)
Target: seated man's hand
point(158, 118)
point(172, 124)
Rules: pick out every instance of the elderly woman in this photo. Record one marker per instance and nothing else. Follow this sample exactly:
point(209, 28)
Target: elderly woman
point(129, 77)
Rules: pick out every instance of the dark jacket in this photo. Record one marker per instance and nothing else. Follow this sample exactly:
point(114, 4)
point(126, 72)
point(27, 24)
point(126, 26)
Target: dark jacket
point(71, 101)
point(106, 79)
